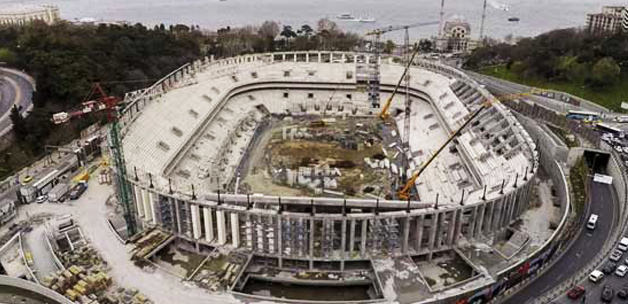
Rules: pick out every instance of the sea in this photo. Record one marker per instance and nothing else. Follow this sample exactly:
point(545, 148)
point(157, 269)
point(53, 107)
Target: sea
point(535, 16)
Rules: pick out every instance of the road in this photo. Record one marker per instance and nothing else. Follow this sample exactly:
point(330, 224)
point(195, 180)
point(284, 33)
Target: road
point(35, 242)
point(15, 89)
point(583, 250)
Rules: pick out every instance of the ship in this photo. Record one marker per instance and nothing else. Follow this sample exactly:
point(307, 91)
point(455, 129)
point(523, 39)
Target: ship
point(345, 17)
point(366, 20)
point(513, 19)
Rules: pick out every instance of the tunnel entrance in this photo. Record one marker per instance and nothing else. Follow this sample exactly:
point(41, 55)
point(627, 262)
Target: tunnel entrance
point(596, 160)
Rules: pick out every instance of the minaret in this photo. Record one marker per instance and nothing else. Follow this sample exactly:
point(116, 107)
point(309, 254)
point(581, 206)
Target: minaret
point(482, 24)
point(442, 14)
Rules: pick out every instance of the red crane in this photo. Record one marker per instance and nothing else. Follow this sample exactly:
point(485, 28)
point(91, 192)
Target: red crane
point(103, 102)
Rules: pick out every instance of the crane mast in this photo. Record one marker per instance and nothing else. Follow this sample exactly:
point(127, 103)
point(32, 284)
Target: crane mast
point(110, 104)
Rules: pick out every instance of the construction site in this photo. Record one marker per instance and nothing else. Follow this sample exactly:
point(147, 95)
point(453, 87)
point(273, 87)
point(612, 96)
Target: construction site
point(367, 178)
point(362, 176)
point(316, 156)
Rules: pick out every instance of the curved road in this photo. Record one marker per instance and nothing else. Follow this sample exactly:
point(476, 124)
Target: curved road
point(583, 250)
point(15, 89)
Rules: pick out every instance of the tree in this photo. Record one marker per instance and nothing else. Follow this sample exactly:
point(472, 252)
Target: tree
point(389, 46)
point(287, 33)
point(605, 72)
point(306, 30)
point(425, 45)
point(19, 124)
point(7, 56)
point(268, 29)
point(327, 25)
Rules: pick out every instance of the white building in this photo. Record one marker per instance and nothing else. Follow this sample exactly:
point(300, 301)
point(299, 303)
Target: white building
point(612, 19)
point(456, 37)
point(20, 14)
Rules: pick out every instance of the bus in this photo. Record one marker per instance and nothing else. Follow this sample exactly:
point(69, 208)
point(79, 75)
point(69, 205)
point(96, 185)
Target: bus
point(585, 116)
point(605, 128)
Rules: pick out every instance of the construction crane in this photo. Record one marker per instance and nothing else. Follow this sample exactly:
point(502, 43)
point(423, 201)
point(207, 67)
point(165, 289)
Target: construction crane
point(104, 102)
point(407, 61)
point(377, 33)
point(404, 193)
point(110, 104)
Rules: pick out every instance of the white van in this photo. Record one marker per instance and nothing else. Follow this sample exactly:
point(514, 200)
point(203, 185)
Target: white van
point(592, 221)
point(596, 276)
point(623, 244)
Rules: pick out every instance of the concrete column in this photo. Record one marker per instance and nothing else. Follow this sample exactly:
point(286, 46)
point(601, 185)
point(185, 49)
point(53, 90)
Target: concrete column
point(351, 237)
point(283, 57)
point(479, 225)
point(235, 230)
point(279, 241)
point(312, 228)
point(222, 229)
point(177, 215)
point(139, 203)
point(148, 214)
point(209, 224)
point(363, 238)
point(262, 238)
point(250, 232)
point(433, 230)
point(320, 59)
point(419, 232)
point(458, 230)
point(295, 56)
point(343, 244)
point(153, 209)
point(344, 57)
point(196, 221)
point(406, 231)
point(452, 227)
point(307, 57)
point(472, 222)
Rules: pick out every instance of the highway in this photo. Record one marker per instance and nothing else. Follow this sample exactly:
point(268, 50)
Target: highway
point(15, 89)
point(583, 250)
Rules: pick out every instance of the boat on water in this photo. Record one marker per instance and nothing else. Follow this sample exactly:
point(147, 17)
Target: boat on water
point(513, 19)
point(366, 20)
point(345, 17)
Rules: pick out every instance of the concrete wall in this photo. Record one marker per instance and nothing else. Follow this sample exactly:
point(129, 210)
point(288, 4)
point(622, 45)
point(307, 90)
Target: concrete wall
point(37, 289)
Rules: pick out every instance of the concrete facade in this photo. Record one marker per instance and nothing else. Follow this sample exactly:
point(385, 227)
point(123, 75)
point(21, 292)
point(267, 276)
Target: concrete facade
point(24, 14)
point(278, 227)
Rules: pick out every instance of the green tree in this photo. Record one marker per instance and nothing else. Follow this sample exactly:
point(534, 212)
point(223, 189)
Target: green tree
point(19, 124)
point(7, 56)
point(605, 72)
point(389, 46)
point(426, 45)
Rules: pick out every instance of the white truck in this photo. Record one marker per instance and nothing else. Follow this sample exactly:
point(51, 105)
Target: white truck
point(57, 192)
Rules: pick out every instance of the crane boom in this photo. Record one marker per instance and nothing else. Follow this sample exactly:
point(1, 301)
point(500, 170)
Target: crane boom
point(404, 193)
point(384, 113)
point(393, 28)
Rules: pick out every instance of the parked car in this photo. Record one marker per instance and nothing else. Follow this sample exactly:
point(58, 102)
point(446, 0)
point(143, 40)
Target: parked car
point(621, 270)
point(576, 292)
point(607, 294)
point(78, 190)
point(609, 267)
point(596, 276)
point(616, 255)
point(623, 292)
point(41, 199)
